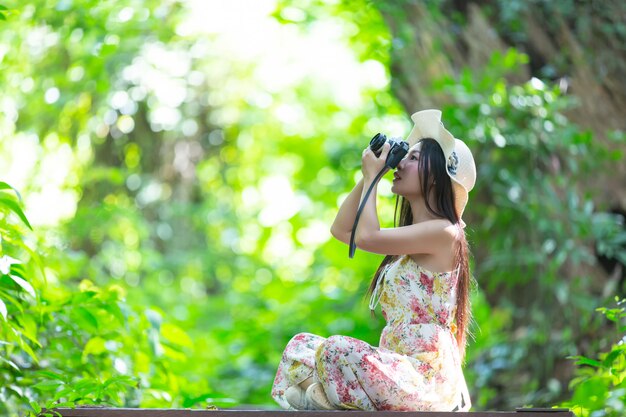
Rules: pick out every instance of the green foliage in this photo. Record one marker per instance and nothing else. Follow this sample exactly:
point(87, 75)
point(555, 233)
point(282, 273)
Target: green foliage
point(3, 12)
point(599, 386)
point(62, 346)
point(8, 202)
point(16, 292)
point(196, 243)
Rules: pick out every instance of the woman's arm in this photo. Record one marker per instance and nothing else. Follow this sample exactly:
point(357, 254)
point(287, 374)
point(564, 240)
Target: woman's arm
point(342, 226)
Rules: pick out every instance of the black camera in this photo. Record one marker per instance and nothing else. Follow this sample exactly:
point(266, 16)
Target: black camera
point(398, 150)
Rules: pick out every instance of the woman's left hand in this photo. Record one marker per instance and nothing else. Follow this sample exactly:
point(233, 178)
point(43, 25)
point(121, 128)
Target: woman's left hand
point(372, 164)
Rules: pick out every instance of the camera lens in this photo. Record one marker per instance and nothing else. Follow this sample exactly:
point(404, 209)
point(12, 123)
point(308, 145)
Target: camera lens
point(377, 142)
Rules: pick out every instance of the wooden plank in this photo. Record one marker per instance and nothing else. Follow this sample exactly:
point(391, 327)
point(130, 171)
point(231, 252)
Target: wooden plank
point(163, 412)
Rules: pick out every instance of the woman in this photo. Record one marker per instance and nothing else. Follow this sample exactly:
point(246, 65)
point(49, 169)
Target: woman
point(422, 285)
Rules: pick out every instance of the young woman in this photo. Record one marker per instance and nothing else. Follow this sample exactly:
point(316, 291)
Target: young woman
point(422, 285)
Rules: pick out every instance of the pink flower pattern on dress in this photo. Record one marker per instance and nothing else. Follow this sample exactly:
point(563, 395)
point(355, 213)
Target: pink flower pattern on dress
point(416, 366)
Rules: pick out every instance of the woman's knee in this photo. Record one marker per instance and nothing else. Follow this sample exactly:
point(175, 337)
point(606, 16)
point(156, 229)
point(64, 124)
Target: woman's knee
point(299, 338)
point(304, 341)
point(332, 348)
point(339, 340)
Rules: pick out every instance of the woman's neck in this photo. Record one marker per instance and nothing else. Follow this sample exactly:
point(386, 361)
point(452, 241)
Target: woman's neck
point(419, 210)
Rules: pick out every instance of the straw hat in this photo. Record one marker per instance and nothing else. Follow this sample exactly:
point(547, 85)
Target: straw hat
point(461, 167)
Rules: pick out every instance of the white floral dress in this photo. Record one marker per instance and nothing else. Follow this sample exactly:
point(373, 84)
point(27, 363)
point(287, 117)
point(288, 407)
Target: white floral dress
point(417, 365)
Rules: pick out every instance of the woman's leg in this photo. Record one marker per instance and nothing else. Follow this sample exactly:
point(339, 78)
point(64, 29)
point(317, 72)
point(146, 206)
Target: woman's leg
point(335, 372)
point(297, 365)
point(359, 376)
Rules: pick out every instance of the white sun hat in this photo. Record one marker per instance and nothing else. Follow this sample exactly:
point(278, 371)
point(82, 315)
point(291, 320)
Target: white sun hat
point(460, 162)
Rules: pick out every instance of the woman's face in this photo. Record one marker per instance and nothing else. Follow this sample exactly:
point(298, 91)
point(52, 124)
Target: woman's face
point(406, 178)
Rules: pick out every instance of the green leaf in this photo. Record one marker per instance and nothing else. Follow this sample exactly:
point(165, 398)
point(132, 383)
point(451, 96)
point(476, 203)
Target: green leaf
point(94, 346)
point(18, 269)
point(3, 309)
point(586, 361)
point(83, 297)
point(14, 207)
point(63, 404)
point(8, 298)
point(48, 385)
point(115, 310)
point(87, 317)
point(4, 185)
point(35, 407)
point(66, 392)
point(175, 335)
point(610, 358)
point(10, 363)
point(28, 350)
point(120, 380)
point(24, 284)
point(50, 375)
point(29, 328)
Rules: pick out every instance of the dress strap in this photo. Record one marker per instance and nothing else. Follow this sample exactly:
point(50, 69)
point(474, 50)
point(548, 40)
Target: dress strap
point(375, 298)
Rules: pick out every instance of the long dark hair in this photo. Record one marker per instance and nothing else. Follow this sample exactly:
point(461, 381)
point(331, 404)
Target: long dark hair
point(434, 178)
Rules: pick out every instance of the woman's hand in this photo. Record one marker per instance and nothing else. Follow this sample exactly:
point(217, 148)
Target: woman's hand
point(372, 164)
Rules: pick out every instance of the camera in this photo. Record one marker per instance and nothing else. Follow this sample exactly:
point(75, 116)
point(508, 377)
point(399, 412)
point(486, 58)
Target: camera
point(398, 150)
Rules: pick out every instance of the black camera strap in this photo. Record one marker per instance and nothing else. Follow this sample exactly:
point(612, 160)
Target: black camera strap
point(360, 210)
point(397, 151)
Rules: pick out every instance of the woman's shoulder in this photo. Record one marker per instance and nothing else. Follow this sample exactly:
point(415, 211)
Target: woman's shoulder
point(439, 258)
point(443, 227)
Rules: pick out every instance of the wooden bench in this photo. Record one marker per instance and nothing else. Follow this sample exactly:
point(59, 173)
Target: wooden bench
point(162, 412)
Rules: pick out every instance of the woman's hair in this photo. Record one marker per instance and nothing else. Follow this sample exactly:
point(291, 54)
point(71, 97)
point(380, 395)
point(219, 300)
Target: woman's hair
point(434, 176)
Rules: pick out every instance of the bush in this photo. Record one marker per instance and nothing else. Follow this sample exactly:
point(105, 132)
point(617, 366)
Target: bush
point(64, 343)
point(599, 387)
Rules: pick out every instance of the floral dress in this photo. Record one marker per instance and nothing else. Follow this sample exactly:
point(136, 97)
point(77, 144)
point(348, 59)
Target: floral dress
point(417, 366)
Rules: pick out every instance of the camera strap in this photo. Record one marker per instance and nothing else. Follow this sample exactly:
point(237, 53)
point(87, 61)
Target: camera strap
point(360, 210)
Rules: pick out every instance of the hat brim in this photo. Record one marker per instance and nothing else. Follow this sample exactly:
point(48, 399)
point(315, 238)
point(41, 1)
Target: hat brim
point(427, 124)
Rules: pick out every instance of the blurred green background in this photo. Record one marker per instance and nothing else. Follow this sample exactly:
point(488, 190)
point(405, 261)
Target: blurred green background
point(169, 171)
